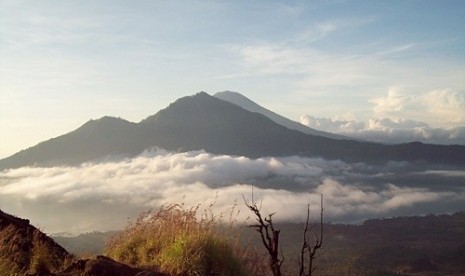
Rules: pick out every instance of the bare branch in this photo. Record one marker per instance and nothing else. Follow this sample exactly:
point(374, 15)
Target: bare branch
point(269, 236)
point(309, 249)
point(304, 243)
point(270, 239)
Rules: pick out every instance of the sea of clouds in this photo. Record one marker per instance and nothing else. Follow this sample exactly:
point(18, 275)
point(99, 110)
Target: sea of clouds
point(104, 196)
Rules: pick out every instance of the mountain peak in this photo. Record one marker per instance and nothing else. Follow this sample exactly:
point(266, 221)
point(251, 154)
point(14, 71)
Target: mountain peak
point(240, 100)
point(244, 102)
point(106, 120)
point(182, 107)
point(104, 123)
point(228, 92)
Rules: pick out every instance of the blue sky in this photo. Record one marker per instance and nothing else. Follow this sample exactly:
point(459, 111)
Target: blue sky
point(339, 65)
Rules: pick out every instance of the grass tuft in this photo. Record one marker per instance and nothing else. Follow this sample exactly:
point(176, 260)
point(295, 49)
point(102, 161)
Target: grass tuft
point(181, 241)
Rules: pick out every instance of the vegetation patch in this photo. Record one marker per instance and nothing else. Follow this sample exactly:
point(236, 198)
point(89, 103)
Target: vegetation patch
point(24, 249)
point(182, 241)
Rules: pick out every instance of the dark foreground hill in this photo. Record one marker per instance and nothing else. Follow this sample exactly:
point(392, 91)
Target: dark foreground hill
point(203, 122)
point(24, 250)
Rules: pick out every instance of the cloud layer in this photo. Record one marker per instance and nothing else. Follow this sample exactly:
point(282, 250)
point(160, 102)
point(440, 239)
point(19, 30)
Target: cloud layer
point(104, 196)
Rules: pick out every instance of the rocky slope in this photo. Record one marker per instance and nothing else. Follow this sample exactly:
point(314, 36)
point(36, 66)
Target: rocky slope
point(25, 250)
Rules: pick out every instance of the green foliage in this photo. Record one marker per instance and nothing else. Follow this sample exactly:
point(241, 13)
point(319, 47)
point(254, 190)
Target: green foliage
point(180, 242)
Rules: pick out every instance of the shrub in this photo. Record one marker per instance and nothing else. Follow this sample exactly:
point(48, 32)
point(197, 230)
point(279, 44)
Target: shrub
point(180, 242)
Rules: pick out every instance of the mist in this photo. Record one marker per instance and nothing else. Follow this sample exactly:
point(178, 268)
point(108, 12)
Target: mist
point(104, 196)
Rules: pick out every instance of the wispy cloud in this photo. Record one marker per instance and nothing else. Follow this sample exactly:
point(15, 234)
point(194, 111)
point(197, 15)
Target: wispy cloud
point(102, 196)
point(316, 69)
point(320, 30)
point(396, 49)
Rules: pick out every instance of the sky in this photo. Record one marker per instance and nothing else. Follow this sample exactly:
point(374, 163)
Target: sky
point(367, 68)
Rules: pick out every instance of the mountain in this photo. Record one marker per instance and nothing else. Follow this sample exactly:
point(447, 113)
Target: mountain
point(244, 102)
point(94, 140)
point(204, 122)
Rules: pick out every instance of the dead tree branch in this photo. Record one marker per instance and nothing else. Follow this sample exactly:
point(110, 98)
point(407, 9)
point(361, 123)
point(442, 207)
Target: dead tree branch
point(270, 239)
point(269, 236)
point(307, 248)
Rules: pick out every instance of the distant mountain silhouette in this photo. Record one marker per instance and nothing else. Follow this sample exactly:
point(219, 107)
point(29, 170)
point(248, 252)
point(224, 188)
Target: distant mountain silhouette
point(204, 122)
point(244, 102)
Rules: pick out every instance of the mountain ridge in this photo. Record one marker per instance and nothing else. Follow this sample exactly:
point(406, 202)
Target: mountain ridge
point(204, 122)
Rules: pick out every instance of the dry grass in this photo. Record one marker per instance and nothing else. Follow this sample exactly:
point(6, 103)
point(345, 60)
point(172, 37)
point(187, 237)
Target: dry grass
point(184, 241)
point(24, 249)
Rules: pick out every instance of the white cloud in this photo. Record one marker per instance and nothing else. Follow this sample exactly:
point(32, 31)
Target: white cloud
point(441, 107)
point(394, 102)
point(388, 130)
point(330, 125)
point(448, 105)
point(349, 199)
point(103, 196)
